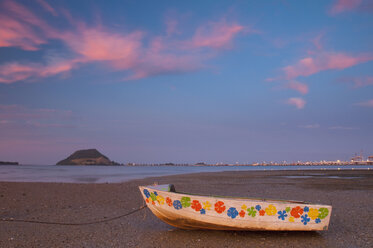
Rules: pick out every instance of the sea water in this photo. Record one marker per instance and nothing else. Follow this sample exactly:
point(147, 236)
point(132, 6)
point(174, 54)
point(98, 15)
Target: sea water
point(115, 174)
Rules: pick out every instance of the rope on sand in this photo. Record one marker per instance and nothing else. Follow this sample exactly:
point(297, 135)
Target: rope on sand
point(74, 224)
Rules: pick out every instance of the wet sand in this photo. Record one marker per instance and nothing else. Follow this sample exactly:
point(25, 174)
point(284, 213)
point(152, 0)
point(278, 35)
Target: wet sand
point(349, 192)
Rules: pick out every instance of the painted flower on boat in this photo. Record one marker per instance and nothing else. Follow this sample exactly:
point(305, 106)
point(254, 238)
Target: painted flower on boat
point(306, 209)
point(147, 200)
point(262, 212)
point(146, 193)
point(207, 205)
point(317, 221)
point(177, 205)
point(305, 219)
point(287, 209)
point(185, 201)
point(313, 213)
point(271, 210)
point(282, 215)
point(202, 211)
point(296, 212)
point(153, 196)
point(323, 212)
point(169, 201)
point(160, 199)
point(291, 219)
point(251, 212)
point(196, 205)
point(258, 207)
point(232, 212)
point(243, 207)
point(155, 192)
point(219, 207)
point(242, 213)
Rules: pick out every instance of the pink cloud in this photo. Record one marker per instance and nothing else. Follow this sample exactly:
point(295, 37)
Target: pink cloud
point(215, 35)
point(368, 103)
point(122, 51)
point(300, 87)
point(21, 28)
point(47, 7)
point(324, 61)
point(317, 41)
point(299, 103)
point(13, 72)
point(357, 82)
point(340, 6)
point(119, 51)
point(16, 34)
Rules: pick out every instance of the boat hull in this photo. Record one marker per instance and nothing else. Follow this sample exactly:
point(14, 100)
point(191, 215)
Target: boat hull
point(225, 213)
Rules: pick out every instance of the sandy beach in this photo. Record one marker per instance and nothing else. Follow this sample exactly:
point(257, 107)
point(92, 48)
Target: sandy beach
point(349, 192)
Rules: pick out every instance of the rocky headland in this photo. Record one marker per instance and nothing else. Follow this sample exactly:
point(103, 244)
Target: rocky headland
point(87, 157)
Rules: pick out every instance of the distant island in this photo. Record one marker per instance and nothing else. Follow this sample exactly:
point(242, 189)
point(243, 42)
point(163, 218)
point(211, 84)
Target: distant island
point(8, 163)
point(87, 157)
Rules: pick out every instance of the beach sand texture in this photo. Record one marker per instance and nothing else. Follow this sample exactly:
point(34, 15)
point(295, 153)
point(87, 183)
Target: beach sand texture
point(349, 192)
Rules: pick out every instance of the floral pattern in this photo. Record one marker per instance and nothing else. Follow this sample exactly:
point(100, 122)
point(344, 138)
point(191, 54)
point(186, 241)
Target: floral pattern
point(282, 215)
point(219, 207)
point(177, 205)
point(207, 205)
point(305, 219)
point(313, 213)
point(160, 199)
point(153, 196)
point(185, 202)
point(271, 210)
point(303, 214)
point(242, 213)
point(296, 212)
point(251, 212)
point(323, 212)
point(169, 201)
point(196, 205)
point(232, 212)
point(146, 193)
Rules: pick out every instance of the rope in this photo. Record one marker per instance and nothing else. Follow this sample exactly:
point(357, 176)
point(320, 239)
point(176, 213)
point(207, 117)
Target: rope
point(74, 224)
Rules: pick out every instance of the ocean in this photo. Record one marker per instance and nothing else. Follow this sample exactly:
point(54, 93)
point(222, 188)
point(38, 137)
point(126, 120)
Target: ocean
point(116, 174)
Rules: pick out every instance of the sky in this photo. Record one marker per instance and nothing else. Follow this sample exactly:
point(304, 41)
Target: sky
point(186, 81)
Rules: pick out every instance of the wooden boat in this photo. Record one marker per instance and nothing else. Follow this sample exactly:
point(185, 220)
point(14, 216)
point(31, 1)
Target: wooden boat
point(188, 211)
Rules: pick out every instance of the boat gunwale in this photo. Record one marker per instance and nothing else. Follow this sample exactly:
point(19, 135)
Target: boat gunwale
point(238, 198)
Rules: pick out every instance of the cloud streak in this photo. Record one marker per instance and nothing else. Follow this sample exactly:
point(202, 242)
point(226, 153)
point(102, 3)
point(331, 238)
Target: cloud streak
point(323, 61)
point(118, 51)
point(299, 103)
point(340, 6)
point(368, 103)
point(297, 86)
point(357, 82)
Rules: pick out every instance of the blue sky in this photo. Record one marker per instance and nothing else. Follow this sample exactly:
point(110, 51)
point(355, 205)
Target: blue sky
point(186, 81)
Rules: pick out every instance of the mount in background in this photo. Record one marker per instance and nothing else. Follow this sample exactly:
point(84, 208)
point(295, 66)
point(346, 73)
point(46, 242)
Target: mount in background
point(87, 157)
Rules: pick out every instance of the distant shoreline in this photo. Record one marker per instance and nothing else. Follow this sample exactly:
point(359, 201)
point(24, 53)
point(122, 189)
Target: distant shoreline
point(8, 163)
